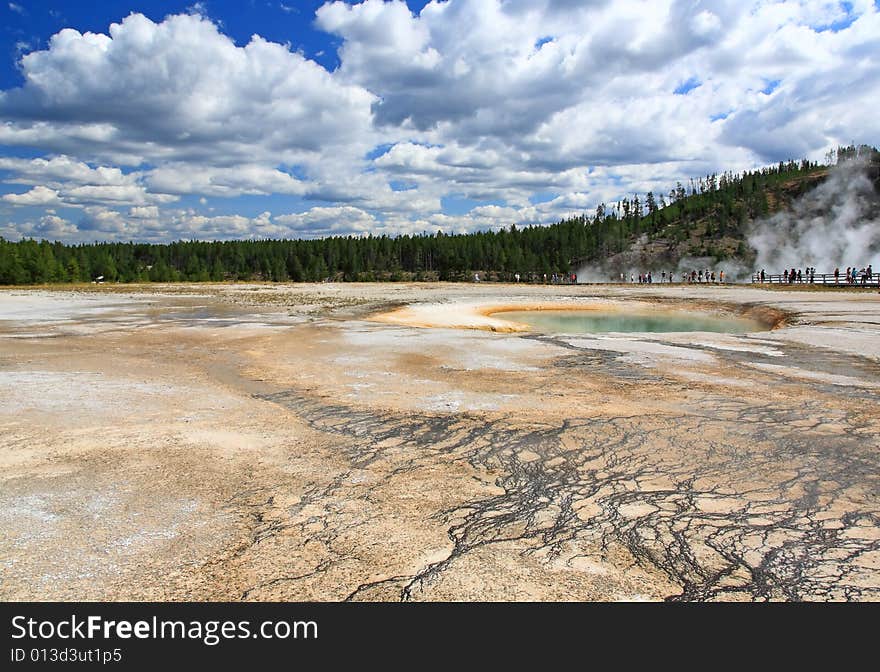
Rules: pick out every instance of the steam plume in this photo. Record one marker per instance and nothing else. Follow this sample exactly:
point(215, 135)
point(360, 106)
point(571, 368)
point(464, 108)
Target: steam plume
point(835, 225)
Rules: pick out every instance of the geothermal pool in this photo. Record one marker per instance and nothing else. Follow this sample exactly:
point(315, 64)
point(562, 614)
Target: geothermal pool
point(613, 321)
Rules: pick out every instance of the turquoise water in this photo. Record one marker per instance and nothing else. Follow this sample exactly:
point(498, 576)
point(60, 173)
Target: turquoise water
point(598, 322)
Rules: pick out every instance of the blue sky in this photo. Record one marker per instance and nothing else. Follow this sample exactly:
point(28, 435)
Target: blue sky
point(158, 120)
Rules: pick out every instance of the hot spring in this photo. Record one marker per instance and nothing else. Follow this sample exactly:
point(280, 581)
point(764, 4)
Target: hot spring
point(613, 321)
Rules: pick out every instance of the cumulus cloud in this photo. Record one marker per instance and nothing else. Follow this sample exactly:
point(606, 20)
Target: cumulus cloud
point(181, 90)
point(62, 170)
point(223, 181)
point(324, 221)
point(71, 193)
point(36, 196)
point(53, 227)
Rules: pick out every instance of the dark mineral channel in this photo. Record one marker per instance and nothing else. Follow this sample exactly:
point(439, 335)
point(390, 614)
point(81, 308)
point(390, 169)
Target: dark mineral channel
point(746, 496)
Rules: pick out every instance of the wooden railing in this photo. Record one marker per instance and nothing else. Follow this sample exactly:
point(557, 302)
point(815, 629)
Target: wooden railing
point(821, 279)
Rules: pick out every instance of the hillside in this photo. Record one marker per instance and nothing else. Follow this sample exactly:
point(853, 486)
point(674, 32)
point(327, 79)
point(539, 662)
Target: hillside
point(711, 219)
point(709, 223)
point(708, 218)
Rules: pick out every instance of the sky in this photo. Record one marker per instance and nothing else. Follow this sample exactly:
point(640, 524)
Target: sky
point(151, 120)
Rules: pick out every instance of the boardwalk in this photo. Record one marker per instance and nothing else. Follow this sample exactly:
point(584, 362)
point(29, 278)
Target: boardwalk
point(820, 279)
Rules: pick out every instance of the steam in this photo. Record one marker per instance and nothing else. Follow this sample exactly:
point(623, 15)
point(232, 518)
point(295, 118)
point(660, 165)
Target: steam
point(733, 269)
point(591, 273)
point(835, 225)
point(629, 264)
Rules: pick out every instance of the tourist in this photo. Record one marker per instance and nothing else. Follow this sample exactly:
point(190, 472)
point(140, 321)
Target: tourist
point(721, 277)
point(836, 275)
point(762, 275)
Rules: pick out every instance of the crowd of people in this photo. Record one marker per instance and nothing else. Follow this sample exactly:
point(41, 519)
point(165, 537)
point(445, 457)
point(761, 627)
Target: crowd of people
point(852, 276)
point(552, 278)
point(701, 276)
point(862, 276)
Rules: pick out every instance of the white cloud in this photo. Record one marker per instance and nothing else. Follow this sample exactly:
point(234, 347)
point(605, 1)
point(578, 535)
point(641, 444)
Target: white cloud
point(71, 194)
point(200, 8)
point(53, 227)
point(36, 196)
point(321, 221)
point(62, 170)
point(144, 212)
point(180, 90)
point(230, 181)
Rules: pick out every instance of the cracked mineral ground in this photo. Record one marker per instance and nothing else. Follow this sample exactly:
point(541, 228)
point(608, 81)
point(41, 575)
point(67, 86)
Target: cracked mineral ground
point(404, 442)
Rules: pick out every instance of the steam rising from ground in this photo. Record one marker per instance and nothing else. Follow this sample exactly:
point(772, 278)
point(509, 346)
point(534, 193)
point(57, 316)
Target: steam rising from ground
point(733, 270)
point(835, 225)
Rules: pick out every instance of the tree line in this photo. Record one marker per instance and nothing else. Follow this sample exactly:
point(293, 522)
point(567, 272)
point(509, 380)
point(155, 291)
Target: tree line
point(729, 200)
